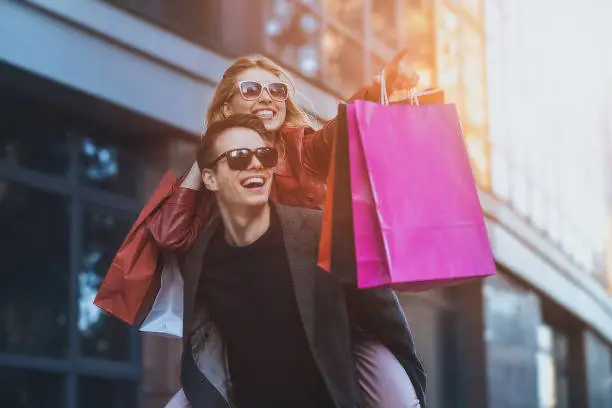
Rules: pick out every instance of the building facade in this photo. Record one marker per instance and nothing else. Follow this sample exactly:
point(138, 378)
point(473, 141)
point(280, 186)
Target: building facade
point(98, 98)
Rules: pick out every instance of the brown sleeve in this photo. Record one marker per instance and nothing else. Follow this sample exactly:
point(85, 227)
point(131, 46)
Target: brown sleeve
point(176, 224)
point(317, 145)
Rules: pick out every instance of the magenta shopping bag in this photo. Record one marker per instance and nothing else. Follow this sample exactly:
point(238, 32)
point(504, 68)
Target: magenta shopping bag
point(421, 224)
point(371, 264)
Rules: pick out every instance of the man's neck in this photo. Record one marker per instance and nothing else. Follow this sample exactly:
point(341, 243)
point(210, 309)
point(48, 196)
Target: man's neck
point(244, 225)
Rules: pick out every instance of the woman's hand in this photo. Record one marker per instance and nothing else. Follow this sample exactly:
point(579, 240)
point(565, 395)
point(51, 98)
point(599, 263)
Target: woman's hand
point(397, 76)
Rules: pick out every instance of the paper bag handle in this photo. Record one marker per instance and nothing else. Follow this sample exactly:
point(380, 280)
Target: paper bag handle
point(384, 96)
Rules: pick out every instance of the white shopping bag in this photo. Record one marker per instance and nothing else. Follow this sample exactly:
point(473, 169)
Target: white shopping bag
point(179, 401)
point(166, 315)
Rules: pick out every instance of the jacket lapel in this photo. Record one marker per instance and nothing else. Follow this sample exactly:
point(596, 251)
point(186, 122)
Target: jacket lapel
point(300, 244)
point(192, 269)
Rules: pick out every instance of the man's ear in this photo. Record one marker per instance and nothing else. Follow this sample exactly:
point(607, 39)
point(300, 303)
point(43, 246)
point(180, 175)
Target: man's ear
point(226, 110)
point(209, 179)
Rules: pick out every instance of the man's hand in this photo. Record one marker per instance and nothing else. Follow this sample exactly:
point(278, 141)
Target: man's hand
point(398, 76)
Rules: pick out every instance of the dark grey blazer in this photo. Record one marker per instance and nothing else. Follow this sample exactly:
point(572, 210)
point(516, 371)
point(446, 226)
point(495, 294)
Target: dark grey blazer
point(330, 313)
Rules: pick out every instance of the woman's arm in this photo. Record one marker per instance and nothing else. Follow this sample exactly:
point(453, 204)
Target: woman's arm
point(317, 145)
point(379, 313)
point(176, 224)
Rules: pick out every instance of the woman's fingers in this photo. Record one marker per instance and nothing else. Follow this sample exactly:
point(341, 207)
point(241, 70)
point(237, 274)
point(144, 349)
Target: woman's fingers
point(407, 81)
point(398, 75)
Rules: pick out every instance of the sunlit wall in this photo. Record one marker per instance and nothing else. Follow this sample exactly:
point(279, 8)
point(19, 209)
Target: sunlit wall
point(342, 44)
point(460, 63)
point(548, 72)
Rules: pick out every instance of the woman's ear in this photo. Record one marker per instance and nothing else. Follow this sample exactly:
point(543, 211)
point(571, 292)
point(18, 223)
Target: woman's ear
point(226, 110)
point(209, 180)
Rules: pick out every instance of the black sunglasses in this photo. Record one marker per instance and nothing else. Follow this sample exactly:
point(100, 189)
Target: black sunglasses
point(251, 90)
point(240, 159)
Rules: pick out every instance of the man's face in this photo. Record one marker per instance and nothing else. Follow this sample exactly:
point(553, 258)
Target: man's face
point(249, 185)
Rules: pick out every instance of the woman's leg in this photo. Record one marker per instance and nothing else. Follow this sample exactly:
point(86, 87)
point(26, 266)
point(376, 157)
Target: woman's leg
point(382, 379)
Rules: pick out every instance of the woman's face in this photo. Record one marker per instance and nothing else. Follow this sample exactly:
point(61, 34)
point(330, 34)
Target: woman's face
point(271, 109)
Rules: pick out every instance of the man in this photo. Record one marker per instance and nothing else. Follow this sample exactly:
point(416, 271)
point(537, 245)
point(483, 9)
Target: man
point(257, 308)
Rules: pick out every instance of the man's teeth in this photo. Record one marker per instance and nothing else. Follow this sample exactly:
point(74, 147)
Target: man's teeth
point(253, 182)
point(265, 113)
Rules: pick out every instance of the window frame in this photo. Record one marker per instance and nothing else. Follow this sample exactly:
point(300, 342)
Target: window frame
point(75, 364)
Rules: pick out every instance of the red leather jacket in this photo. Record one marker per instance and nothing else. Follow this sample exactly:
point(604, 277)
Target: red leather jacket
point(299, 180)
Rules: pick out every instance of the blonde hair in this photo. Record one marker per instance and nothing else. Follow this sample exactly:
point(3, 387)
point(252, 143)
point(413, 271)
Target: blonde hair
point(295, 116)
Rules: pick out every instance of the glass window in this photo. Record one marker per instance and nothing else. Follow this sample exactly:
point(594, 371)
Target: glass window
point(546, 368)
point(349, 13)
point(598, 356)
point(471, 59)
point(342, 63)
point(384, 27)
point(102, 393)
point(51, 270)
point(447, 53)
point(292, 34)
point(471, 8)
point(30, 389)
point(108, 166)
point(32, 137)
point(552, 357)
point(195, 19)
point(416, 31)
point(34, 248)
point(511, 320)
point(101, 335)
point(561, 353)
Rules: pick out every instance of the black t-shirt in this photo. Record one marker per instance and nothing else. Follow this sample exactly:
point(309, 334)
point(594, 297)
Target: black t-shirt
point(249, 294)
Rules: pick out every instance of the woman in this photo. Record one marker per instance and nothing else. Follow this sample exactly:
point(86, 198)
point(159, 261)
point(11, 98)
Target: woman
point(257, 85)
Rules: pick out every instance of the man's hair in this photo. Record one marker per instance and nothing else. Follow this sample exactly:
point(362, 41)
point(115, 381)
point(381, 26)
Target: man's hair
point(206, 150)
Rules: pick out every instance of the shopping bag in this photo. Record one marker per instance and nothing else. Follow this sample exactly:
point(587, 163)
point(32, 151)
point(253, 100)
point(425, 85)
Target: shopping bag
point(133, 279)
point(324, 256)
point(166, 315)
point(132, 283)
point(372, 268)
point(357, 252)
point(343, 266)
point(429, 96)
point(428, 215)
point(415, 222)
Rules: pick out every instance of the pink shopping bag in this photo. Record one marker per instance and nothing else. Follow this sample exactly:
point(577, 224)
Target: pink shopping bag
point(421, 224)
point(371, 264)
